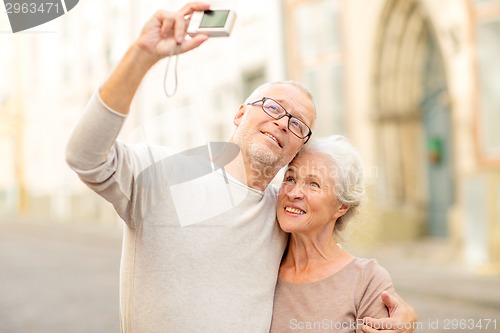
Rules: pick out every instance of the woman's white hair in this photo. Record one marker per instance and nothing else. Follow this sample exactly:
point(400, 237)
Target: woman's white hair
point(347, 172)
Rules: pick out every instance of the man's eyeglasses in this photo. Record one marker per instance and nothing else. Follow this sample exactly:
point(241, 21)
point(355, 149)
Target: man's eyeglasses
point(276, 111)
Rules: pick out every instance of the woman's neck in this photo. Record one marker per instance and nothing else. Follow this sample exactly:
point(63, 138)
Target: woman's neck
point(310, 259)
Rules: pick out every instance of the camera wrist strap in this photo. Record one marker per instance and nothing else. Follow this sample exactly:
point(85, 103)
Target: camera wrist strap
point(175, 51)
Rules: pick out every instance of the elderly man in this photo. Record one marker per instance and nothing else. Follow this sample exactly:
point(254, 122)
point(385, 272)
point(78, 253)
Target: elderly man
point(200, 254)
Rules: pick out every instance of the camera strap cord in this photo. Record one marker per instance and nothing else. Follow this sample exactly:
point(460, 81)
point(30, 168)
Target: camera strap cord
point(175, 51)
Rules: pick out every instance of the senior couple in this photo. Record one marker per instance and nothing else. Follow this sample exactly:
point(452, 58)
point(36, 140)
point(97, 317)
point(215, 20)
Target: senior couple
point(232, 268)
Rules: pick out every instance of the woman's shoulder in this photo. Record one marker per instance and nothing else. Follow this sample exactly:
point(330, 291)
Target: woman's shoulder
point(370, 268)
point(365, 262)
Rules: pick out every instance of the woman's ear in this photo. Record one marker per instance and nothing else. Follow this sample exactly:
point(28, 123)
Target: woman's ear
point(239, 115)
point(342, 210)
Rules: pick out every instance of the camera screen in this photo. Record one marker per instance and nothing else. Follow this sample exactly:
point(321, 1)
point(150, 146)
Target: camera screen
point(214, 19)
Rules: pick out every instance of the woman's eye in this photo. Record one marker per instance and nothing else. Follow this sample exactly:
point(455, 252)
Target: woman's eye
point(289, 179)
point(314, 184)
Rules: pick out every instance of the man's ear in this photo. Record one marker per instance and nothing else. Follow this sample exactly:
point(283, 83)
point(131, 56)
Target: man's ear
point(239, 115)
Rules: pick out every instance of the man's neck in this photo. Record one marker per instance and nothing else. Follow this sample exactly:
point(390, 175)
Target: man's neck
point(254, 175)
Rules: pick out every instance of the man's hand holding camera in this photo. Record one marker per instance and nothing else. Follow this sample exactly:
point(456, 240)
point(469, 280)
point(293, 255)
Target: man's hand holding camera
point(164, 34)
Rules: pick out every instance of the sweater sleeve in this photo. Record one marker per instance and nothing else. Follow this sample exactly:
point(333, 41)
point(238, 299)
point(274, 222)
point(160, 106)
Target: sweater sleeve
point(377, 280)
point(101, 162)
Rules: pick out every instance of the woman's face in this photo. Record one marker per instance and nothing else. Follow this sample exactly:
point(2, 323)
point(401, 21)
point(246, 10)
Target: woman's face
point(307, 201)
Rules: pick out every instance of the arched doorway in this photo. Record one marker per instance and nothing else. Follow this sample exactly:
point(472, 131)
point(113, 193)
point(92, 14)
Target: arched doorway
point(413, 122)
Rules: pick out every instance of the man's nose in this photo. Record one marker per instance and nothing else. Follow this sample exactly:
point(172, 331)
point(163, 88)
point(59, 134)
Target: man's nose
point(282, 123)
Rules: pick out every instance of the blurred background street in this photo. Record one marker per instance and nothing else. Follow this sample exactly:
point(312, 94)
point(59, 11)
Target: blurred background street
point(60, 279)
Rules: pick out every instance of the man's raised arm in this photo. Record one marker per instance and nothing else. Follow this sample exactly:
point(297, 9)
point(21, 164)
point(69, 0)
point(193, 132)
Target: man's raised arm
point(92, 151)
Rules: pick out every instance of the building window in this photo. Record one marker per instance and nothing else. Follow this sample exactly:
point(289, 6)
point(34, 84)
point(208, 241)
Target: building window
point(253, 79)
point(488, 71)
point(314, 55)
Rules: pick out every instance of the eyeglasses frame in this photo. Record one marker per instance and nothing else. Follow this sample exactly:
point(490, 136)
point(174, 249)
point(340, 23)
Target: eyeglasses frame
point(288, 114)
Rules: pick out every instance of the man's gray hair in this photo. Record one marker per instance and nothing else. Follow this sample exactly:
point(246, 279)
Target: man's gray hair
point(257, 93)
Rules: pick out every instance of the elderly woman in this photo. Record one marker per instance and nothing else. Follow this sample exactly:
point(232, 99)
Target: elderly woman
point(321, 287)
